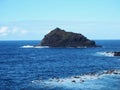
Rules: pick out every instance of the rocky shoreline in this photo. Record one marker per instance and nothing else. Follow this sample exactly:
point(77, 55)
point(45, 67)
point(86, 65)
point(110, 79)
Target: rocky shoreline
point(79, 78)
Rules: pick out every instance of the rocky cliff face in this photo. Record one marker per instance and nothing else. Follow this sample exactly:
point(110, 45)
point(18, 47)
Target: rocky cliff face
point(61, 38)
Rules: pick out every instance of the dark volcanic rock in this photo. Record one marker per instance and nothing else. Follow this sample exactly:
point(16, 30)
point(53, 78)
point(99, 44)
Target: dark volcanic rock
point(116, 53)
point(61, 38)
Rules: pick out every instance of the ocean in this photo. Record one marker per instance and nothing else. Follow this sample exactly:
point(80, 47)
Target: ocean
point(23, 67)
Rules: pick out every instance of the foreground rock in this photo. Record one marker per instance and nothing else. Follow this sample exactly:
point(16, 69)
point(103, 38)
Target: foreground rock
point(61, 38)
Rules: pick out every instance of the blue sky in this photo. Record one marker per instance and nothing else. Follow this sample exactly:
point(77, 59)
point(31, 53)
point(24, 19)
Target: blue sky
point(32, 19)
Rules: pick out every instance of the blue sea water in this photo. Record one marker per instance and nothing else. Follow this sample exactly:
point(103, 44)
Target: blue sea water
point(27, 68)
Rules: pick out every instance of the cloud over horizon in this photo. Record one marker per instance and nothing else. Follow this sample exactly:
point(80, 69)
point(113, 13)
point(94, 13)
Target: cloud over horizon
point(7, 30)
point(4, 31)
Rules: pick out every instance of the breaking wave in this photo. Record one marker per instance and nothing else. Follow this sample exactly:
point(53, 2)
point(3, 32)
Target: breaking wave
point(30, 46)
point(109, 54)
point(80, 81)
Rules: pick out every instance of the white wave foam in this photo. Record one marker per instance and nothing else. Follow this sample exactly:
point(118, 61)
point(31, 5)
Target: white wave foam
point(30, 46)
point(27, 46)
point(75, 81)
point(109, 54)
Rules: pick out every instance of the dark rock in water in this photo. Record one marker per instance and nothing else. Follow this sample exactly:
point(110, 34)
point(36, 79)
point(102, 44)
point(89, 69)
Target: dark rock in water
point(61, 38)
point(73, 81)
point(116, 53)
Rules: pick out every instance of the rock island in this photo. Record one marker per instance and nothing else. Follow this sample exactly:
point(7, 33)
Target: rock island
point(61, 38)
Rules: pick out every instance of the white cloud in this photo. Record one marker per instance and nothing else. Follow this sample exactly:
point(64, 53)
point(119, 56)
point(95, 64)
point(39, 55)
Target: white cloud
point(4, 30)
point(17, 30)
point(23, 31)
point(14, 30)
point(4, 34)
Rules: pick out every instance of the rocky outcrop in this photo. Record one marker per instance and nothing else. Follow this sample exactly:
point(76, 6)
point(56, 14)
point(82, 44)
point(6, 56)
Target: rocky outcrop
point(116, 53)
point(113, 53)
point(61, 38)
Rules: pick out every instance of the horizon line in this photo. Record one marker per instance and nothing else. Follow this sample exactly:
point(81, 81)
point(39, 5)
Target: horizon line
point(41, 39)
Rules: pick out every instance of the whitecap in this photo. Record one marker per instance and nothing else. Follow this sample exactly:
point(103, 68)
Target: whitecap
point(109, 54)
point(30, 46)
point(80, 81)
point(27, 46)
point(41, 46)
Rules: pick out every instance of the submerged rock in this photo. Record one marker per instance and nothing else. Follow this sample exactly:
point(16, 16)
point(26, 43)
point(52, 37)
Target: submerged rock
point(61, 38)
